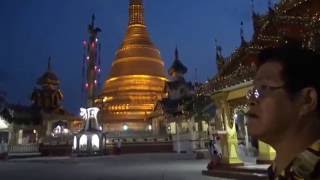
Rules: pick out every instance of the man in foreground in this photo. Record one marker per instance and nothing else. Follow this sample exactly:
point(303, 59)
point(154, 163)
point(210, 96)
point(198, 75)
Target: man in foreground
point(284, 110)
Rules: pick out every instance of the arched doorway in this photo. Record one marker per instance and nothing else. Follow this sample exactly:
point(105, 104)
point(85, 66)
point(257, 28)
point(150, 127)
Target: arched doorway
point(4, 130)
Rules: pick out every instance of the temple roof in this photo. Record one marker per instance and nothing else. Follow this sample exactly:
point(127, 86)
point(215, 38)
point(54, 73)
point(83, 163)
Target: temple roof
point(177, 65)
point(48, 77)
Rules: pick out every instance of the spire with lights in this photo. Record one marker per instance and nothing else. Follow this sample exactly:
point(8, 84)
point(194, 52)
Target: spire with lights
point(91, 63)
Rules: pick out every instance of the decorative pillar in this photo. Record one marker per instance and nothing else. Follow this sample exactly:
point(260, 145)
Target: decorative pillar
point(225, 128)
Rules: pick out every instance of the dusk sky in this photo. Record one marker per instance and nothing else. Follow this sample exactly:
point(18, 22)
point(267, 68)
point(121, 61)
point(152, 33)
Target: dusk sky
point(33, 30)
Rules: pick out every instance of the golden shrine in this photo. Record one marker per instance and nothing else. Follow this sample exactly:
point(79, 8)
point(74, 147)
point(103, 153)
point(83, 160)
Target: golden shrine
point(289, 19)
point(137, 78)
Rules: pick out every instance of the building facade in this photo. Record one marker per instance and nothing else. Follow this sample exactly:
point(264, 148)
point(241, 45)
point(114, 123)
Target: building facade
point(289, 20)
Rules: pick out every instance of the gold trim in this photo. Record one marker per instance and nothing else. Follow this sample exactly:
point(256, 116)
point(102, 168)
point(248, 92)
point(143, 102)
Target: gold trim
point(141, 58)
point(136, 76)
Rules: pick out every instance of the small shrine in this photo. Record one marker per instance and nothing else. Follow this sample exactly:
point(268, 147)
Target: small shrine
point(90, 140)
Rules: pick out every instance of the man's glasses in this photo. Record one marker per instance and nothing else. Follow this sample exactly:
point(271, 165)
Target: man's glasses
point(258, 93)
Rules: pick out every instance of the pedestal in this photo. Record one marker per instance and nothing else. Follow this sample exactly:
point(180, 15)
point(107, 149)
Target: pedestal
point(266, 153)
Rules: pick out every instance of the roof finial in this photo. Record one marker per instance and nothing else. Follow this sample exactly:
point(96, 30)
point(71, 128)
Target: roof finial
point(136, 12)
point(176, 53)
point(241, 33)
point(93, 18)
point(218, 49)
point(252, 8)
point(219, 58)
point(49, 63)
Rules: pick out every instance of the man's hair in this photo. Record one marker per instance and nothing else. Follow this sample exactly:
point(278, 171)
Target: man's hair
point(300, 66)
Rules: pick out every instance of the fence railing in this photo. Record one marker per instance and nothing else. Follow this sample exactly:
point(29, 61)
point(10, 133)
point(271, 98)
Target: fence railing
point(28, 148)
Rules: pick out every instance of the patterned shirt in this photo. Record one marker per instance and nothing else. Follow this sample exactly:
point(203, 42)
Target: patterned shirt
point(305, 166)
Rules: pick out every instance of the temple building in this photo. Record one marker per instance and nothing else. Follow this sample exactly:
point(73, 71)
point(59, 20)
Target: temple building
point(136, 80)
point(31, 124)
point(176, 114)
point(47, 98)
point(297, 20)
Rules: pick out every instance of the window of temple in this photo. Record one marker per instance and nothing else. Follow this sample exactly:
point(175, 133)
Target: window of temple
point(83, 142)
point(95, 142)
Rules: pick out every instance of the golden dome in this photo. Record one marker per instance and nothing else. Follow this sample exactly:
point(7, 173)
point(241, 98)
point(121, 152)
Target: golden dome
point(137, 78)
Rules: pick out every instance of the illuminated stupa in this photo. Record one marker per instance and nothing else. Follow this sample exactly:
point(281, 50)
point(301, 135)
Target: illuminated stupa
point(137, 78)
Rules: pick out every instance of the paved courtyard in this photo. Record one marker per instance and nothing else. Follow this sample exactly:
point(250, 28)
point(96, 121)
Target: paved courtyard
point(123, 167)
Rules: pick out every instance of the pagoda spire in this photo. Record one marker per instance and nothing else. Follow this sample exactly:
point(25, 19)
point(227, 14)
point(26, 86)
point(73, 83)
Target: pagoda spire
point(253, 8)
point(219, 58)
point(49, 64)
point(176, 53)
point(136, 12)
point(243, 41)
point(93, 18)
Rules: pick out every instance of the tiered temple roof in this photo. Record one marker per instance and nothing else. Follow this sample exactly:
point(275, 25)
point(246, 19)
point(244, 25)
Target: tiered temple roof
point(289, 20)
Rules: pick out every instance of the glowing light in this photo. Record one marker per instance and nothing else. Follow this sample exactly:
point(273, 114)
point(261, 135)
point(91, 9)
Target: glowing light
point(57, 130)
point(89, 113)
point(74, 147)
point(87, 85)
point(84, 42)
point(95, 81)
point(95, 142)
point(88, 58)
point(34, 131)
point(235, 116)
point(95, 67)
point(125, 127)
point(149, 127)
point(65, 131)
point(99, 70)
point(3, 123)
point(97, 39)
point(83, 142)
point(138, 76)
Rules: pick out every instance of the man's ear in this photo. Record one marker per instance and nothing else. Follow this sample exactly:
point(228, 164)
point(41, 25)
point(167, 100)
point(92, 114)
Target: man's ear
point(309, 101)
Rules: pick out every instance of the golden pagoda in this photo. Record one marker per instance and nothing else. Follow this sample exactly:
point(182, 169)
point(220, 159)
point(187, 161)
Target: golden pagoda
point(137, 78)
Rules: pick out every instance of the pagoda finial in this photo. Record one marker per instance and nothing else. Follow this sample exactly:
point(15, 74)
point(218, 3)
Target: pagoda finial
point(136, 12)
point(252, 8)
point(49, 63)
point(241, 31)
point(218, 49)
point(243, 41)
point(219, 58)
point(176, 53)
point(93, 18)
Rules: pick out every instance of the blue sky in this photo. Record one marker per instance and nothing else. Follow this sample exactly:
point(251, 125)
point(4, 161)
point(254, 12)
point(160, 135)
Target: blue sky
point(33, 30)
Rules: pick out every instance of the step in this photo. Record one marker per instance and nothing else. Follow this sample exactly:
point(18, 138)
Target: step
point(235, 174)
